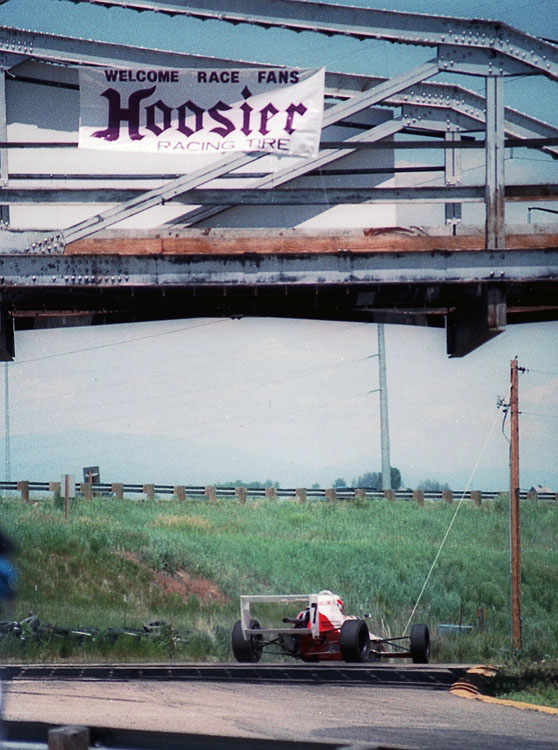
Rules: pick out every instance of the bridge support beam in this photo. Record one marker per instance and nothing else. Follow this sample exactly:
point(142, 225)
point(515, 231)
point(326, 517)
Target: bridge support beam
point(7, 343)
point(478, 316)
point(494, 190)
point(4, 209)
point(452, 168)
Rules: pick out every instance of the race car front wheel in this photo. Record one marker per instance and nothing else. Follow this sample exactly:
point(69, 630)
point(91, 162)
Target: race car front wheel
point(420, 644)
point(246, 649)
point(354, 641)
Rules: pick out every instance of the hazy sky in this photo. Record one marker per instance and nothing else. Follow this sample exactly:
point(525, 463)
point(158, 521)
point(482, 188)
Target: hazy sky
point(201, 401)
point(280, 399)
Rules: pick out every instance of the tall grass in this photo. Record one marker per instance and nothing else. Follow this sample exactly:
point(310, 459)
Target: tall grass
point(111, 565)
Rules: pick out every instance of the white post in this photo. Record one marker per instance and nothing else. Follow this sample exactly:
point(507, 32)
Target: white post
point(7, 468)
point(384, 422)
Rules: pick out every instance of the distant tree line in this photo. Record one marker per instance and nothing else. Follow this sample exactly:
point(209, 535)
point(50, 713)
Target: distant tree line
point(371, 479)
point(433, 485)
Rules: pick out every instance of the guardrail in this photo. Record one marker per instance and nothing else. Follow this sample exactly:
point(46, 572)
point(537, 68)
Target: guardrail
point(212, 492)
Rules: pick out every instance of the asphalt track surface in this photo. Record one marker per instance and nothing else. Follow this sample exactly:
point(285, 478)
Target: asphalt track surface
point(272, 713)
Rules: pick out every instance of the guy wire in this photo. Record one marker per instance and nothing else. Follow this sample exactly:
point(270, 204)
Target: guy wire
point(459, 504)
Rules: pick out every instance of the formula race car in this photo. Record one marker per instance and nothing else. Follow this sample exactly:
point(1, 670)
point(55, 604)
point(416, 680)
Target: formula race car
point(321, 632)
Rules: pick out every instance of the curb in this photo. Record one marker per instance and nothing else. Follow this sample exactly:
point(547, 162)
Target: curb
point(471, 691)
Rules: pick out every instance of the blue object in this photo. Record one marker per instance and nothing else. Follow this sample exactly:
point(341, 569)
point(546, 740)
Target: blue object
point(8, 578)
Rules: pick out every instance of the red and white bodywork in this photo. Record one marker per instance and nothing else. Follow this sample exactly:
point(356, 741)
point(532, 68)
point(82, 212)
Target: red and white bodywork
point(321, 631)
point(322, 619)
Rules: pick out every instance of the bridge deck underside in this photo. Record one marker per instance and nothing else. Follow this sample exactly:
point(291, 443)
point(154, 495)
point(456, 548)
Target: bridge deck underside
point(390, 276)
point(411, 303)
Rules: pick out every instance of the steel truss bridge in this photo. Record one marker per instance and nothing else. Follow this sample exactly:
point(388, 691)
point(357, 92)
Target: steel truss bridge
point(224, 250)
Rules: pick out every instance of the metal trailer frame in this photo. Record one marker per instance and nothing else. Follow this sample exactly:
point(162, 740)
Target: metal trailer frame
point(310, 600)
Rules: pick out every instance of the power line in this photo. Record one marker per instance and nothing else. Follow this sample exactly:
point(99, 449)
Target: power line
point(157, 403)
point(166, 333)
point(118, 343)
point(542, 372)
point(259, 351)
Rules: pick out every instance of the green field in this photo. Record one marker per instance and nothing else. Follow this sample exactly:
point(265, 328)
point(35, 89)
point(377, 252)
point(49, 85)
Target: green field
point(128, 562)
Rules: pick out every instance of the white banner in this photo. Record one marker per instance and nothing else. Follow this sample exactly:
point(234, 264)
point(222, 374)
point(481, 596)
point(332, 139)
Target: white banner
point(197, 111)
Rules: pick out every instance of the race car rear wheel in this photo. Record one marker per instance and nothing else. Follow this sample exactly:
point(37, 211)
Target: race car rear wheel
point(354, 641)
point(246, 649)
point(420, 644)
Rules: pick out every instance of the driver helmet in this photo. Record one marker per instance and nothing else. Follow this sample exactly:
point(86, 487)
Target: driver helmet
point(338, 600)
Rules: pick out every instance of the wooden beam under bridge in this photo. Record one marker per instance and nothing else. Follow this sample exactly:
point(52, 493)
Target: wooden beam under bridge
point(389, 275)
point(269, 241)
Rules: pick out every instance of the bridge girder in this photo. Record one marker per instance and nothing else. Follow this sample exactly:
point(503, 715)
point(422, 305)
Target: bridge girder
point(475, 294)
point(336, 278)
point(365, 23)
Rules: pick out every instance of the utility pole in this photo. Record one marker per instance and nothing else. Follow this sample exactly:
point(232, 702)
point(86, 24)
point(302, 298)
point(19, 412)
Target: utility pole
point(384, 422)
point(515, 545)
point(7, 469)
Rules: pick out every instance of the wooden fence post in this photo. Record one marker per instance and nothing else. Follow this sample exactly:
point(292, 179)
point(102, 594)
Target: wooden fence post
point(67, 498)
point(532, 496)
point(447, 496)
point(418, 496)
point(211, 493)
point(86, 490)
point(149, 491)
point(360, 495)
point(54, 487)
point(389, 494)
point(68, 738)
point(118, 489)
point(23, 487)
point(300, 494)
point(271, 493)
point(476, 497)
point(331, 494)
point(240, 493)
point(180, 493)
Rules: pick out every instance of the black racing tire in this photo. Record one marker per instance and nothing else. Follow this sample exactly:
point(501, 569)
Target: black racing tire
point(420, 644)
point(246, 650)
point(354, 641)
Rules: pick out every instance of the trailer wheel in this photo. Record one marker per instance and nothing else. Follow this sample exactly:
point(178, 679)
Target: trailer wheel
point(420, 644)
point(354, 641)
point(246, 650)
